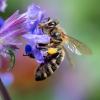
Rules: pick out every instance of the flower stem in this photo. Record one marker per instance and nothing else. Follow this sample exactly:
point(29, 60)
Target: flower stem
point(4, 92)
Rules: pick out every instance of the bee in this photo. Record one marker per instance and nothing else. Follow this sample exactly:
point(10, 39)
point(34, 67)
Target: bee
point(56, 50)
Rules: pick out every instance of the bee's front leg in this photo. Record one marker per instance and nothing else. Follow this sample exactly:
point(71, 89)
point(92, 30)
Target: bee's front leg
point(41, 46)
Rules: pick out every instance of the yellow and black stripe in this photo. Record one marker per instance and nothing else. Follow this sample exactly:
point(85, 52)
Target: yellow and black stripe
point(47, 68)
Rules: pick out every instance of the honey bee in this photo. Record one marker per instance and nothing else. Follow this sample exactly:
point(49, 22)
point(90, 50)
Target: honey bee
point(56, 50)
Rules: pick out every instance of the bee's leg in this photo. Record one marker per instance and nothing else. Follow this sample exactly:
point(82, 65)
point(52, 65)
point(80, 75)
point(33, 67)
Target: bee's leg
point(41, 46)
point(30, 55)
point(25, 55)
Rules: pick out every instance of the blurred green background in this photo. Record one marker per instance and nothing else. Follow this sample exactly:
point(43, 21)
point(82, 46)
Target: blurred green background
point(81, 19)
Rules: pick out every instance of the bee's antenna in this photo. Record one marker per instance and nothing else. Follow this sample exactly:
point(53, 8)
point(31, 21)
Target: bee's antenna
point(49, 18)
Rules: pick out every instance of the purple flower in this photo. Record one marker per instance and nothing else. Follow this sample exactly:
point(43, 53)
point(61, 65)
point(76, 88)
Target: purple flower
point(1, 22)
point(34, 16)
point(12, 28)
point(10, 31)
point(7, 78)
point(31, 47)
point(3, 5)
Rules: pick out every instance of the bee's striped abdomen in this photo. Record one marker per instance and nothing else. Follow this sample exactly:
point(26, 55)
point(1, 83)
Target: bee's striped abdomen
point(47, 68)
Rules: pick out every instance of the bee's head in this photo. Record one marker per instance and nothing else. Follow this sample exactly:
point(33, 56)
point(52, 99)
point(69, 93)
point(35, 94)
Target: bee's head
point(49, 23)
point(52, 23)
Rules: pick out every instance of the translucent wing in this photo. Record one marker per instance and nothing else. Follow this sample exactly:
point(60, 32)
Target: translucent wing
point(71, 63)
point(77, 47)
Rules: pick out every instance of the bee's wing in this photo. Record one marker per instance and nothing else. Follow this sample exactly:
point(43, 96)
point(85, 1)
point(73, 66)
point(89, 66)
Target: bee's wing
point(71, 62)
point(77, 47)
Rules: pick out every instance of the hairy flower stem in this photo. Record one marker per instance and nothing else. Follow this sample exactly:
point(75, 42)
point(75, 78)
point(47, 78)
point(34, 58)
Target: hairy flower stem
point(3, 92)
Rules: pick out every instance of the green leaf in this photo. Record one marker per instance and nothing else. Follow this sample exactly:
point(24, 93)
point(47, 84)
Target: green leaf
point(12, 58)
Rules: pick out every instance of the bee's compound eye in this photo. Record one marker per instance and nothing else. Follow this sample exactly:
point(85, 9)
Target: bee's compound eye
point(28, 48)
point(52, 24)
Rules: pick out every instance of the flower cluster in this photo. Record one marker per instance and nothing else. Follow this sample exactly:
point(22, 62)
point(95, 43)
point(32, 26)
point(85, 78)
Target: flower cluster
point(3, 5)
point(26, 26)
point(11, 29)
point(34, 16)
